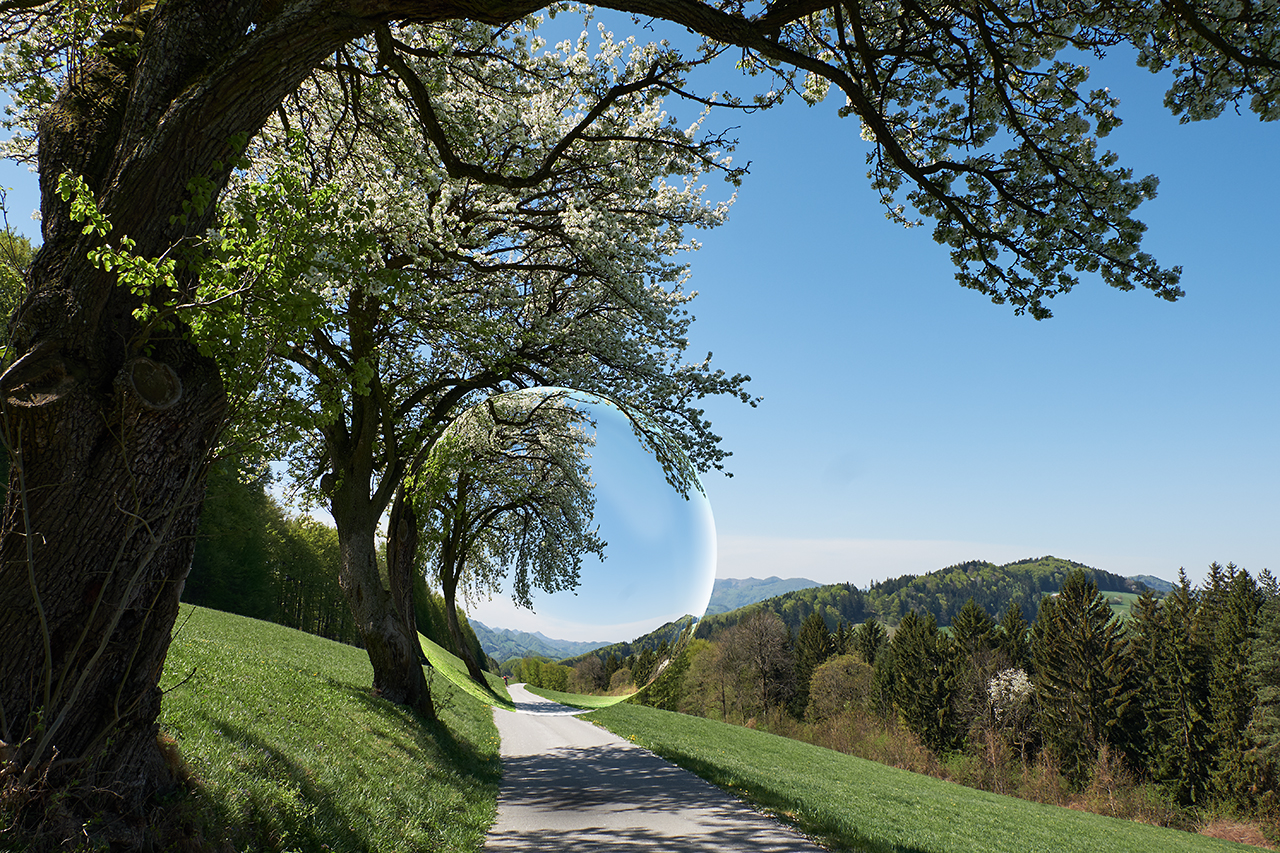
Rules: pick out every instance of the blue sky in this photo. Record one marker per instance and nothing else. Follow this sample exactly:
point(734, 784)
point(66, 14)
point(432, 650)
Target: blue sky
point(908, 424)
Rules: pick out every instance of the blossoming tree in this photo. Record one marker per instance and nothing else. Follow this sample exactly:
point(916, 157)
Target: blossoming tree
point(524, 238)
point(975, 119)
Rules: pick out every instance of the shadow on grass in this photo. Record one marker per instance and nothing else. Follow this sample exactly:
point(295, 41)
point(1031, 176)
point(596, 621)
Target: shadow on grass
point(282, 804)
point(432, 736)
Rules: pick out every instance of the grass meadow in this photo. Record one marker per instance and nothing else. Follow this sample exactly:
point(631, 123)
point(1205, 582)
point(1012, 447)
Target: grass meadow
point(849, 803)
point(287, 749)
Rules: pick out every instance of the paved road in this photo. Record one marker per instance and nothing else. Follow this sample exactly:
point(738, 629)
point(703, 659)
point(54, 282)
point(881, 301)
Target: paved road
point(570, 786)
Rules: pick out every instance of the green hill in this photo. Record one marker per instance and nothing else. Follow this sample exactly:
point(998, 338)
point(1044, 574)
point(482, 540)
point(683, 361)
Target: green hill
point(941, 593)
point(651, 641)
point(284, 747)
point(732, 593)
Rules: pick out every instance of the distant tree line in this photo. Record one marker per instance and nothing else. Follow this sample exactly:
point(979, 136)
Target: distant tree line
point(1177, 708)
point(941, 594)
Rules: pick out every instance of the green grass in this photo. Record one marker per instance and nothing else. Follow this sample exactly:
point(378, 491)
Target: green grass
point(1121, 603)
point(578, 700)
point(452, 667)
point(853, 804)
point(289, 750)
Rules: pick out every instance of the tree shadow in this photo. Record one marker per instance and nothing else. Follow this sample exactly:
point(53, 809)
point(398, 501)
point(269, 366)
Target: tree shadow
point(619, 797)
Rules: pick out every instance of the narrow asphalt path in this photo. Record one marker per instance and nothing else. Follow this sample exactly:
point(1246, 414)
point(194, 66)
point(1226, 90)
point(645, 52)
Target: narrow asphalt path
point(570, 786)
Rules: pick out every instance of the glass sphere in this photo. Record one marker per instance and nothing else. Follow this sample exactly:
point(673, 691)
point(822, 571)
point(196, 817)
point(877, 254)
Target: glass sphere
point(660, 560)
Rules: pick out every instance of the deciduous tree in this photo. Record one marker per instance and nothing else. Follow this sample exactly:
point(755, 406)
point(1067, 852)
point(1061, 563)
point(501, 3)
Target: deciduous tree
point(505, 492)
point(146, 103)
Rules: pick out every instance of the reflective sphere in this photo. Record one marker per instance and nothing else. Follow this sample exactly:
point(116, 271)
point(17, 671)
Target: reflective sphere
point(660, 561)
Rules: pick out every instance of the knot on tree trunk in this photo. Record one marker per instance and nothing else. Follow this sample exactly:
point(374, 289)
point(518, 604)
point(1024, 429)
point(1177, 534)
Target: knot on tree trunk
point(155, 384)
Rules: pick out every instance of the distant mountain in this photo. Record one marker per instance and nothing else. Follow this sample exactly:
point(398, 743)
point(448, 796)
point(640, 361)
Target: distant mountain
point(1158, 584)
point(732, 593)
point(504, 644)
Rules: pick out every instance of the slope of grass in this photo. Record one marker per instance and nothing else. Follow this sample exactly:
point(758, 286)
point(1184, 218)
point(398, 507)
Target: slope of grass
point(853, 804)
point(577, 700)
point(289, 750)
point(451, 667)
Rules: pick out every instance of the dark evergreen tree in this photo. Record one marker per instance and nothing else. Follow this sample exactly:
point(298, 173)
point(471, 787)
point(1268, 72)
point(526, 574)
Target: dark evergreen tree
point(1082, 677)
point(1264, 674)
point(642, 669)
point(871, 637)
point(813, 648)
point(924, 681)
point(974, 638)
point(841, 639)
point(1171, 659)
point(973, 630)
point(1231, 692)
point(1013, 638)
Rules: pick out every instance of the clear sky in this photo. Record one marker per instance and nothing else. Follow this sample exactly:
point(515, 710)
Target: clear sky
point(908, 424)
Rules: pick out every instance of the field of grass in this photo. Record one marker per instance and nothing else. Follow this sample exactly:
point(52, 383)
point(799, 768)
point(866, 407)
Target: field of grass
point(853, 804)
point(289, 750)
point(1121, 603)
point(577, 700)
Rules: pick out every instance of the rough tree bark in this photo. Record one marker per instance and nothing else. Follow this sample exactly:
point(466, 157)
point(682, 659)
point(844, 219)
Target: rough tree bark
point(402, 549)
point(109, 443)
point(364, 454)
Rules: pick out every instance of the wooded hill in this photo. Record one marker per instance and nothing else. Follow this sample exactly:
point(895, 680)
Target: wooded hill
point(655, 640)
point(940, 594)
point(732, 593)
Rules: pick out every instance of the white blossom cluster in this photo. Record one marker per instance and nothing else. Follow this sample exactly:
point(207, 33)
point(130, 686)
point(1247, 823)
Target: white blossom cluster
point(1009, 693)
point(528, 239)
point(507, 488)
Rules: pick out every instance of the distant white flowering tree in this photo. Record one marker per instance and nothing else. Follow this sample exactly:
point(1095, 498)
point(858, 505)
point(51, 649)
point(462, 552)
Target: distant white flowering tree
point(1012, 700)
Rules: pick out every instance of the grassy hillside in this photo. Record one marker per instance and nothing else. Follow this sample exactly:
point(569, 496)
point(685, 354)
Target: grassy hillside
point(288, 749)
point(853, 804)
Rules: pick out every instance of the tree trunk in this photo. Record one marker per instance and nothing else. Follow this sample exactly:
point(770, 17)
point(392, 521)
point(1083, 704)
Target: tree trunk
point(388, 635)
point(449, 589)
point(402, 553)
point(393, 653)
point(109, 440)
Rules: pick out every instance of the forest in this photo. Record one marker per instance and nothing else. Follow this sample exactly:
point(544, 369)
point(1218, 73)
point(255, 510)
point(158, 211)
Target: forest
point(254, 559)
point(1170, 716)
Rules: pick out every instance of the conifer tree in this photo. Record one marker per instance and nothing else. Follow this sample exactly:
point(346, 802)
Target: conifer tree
point(924, 681)
point(1231, 692)
point(1264, 674)
point(1082, 676)
point(1012, 638)
point(870, 639)
point(813, 647)
point(1171, 655)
